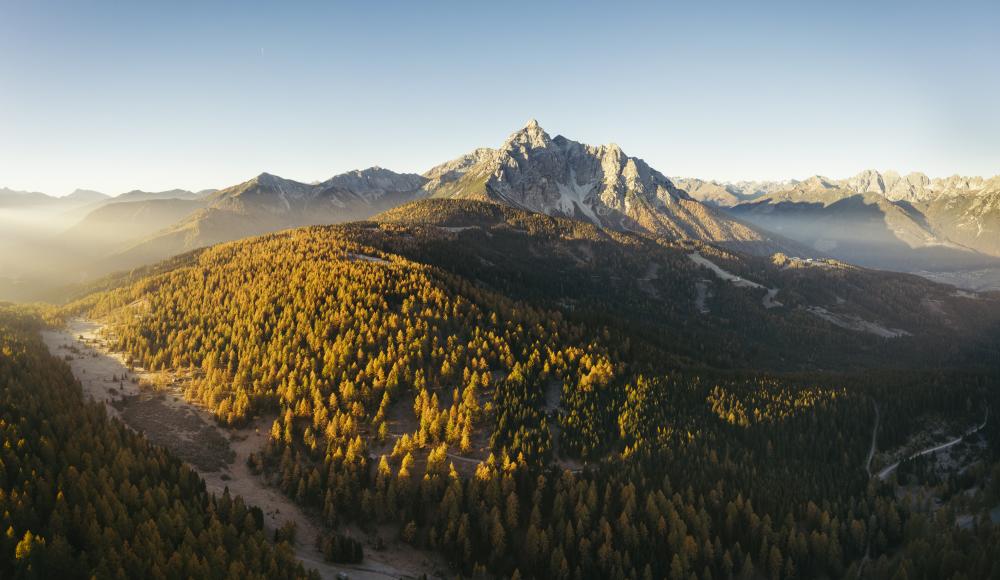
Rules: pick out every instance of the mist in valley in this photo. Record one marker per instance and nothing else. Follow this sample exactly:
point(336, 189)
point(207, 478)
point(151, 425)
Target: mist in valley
point(863, 234)
point(36, 264)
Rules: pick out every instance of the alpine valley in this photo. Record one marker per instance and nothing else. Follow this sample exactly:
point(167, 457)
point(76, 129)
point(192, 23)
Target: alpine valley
point(541, 360)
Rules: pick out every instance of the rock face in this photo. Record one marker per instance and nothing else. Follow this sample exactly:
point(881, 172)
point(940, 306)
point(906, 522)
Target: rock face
point(563, 177)
point(369, 186)
point(600, 184)
point(913, 187)
point(972, 218)
point(530, 170)
point(556, 176)
point(885, 220)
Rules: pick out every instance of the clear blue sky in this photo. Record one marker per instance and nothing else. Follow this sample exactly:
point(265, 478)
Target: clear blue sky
point(121, 95)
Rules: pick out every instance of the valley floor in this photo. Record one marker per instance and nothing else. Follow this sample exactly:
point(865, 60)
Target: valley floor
point(984, 280)
point(151, 403)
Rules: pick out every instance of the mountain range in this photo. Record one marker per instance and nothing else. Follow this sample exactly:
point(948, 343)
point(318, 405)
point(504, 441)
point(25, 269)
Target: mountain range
point(879, 220)
point(560, 177)
point(537, 320)
point(530, 171)
point(913, 187)
point(10, 198)
point(353, 345)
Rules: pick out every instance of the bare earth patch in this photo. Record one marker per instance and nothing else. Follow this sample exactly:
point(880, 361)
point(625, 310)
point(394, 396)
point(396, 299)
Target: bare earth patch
point(218, 454)
point(178, 428)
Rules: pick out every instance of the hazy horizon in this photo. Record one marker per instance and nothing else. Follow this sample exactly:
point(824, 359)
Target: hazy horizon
point(504, 354)
point(672, 176)
point(121, 97)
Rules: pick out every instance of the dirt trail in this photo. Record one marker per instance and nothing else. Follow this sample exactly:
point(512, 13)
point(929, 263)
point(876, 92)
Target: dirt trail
point(868, 469)
point(646, 282)
point(884, 474)
point(767, 301)
point(219, 455)
point(871, 452)
point(701, 296)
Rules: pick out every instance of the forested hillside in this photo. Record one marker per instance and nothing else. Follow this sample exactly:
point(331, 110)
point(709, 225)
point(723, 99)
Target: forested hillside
point(536, 397)
point(81, 496)
point(651, 286)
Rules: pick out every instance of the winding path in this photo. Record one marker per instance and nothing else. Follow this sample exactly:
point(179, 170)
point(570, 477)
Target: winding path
point(871, 452)
point(868, 469)
point(885, 473)
point(882, 475)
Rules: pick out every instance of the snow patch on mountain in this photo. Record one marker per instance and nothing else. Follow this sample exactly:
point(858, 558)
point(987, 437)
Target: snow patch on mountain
point(562, 177)
point(574, 196)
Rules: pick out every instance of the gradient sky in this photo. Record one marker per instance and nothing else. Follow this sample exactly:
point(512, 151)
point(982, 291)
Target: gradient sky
point(121, 95)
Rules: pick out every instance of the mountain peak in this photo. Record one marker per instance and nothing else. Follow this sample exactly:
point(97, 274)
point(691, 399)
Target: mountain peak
point(86, 195)
point(271, 180)
point(890, 184)
point(531, 135)
point(615, 150)
point(374, 182)
point(816, 182)
point(599, 184)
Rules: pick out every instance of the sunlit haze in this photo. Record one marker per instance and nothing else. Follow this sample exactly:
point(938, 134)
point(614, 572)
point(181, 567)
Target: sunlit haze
point(115, 96)
point(548, 289)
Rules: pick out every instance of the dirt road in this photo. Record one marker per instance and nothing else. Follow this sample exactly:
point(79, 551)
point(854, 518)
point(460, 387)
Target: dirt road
point(885, 473)
point(219, 455)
